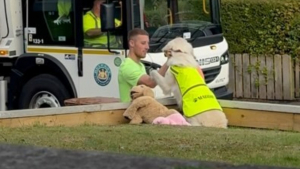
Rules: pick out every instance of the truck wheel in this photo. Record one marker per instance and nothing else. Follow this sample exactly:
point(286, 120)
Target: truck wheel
point(43, 91)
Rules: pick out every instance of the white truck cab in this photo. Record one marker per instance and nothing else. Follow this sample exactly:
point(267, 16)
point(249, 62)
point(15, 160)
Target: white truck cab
point(44, 60)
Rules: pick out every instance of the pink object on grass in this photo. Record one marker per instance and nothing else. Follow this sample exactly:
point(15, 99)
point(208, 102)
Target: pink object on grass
point(173, 119)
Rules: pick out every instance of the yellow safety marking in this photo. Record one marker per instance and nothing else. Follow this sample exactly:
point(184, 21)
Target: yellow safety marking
point(52, 50)
point(70, 51)
point(97, 52)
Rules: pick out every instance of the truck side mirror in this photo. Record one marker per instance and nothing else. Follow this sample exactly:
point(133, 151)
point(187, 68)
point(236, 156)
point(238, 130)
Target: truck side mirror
point(107, 16)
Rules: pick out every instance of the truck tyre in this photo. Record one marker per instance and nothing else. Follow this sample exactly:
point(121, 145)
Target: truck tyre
point(43, 91)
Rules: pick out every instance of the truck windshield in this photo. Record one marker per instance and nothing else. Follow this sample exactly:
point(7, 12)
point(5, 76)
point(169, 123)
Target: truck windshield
point(168, 19)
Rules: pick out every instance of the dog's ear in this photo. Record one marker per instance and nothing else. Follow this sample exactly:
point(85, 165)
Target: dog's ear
point(168, 47)
point(167, 53)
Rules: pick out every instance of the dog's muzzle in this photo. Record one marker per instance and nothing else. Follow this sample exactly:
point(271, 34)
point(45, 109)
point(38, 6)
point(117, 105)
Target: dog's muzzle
point(131, 93)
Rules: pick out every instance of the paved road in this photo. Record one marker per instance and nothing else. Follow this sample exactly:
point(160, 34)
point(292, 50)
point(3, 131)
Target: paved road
point(20, 157)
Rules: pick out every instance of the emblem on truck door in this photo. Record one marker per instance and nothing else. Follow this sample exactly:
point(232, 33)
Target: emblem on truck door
point(102, 74)
point(117, 61)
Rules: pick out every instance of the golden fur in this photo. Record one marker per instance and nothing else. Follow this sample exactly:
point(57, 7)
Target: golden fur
point(180, 53)
point(144, 108)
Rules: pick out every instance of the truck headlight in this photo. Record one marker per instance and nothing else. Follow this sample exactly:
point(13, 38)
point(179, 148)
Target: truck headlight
point(224, 58)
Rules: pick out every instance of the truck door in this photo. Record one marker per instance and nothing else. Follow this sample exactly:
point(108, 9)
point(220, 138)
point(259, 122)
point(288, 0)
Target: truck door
point(100, 66)
point(49, 66)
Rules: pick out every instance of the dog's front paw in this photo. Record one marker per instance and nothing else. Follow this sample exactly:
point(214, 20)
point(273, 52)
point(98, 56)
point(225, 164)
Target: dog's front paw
point(153, 74)
point(126, 117)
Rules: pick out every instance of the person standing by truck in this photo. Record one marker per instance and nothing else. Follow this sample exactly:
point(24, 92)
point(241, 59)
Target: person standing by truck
point(132, 71)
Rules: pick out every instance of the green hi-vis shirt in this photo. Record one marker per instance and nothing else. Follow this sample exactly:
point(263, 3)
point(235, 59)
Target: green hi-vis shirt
point(90, 21)
point(196, 95)
point(129, 75)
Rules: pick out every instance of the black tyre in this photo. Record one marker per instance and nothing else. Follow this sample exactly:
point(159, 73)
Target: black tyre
point(43, 91)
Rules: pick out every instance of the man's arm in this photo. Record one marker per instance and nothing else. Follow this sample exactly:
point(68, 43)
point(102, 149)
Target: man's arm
point(134, 76)
point(89, 26)
point(147, 80)
point(94, 32)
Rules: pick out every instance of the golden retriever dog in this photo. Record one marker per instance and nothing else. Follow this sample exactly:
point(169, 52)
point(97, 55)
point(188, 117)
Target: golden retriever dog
point(185, 80)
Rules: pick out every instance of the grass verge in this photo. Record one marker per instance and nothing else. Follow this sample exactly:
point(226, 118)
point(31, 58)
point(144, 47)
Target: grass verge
point(235, 145)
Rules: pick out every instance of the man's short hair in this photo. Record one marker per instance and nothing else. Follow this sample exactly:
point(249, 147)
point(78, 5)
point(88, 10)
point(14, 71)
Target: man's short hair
point(136, 31)
point(99, 1)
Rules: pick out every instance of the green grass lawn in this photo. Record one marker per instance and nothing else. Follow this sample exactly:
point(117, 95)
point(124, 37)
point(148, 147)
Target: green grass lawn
point(234, 145)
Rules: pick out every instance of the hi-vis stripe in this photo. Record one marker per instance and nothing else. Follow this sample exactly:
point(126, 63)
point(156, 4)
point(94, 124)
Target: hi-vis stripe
point(52, 50)
point(69, 51)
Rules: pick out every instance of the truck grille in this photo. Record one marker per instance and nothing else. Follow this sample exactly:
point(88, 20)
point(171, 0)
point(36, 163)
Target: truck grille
point(211, 73)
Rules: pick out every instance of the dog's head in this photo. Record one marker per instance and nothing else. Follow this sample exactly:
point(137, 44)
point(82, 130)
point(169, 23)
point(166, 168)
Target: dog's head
point(178, 45)
point(180, 52)
point(141, 90)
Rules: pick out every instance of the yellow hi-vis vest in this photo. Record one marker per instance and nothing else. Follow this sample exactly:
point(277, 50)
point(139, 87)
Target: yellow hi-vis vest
point(196, 95)
point(91, 21)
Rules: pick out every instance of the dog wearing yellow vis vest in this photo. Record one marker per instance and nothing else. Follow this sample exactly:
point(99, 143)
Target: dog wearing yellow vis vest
point(184, 79)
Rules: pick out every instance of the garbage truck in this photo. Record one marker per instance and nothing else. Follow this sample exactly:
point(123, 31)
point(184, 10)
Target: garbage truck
point(44, 59)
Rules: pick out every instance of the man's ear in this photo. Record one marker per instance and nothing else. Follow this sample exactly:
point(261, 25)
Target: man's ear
point(131, 42)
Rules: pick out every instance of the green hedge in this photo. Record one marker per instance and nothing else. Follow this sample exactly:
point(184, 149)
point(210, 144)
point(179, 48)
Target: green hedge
point(262, 26)
point(250, 26)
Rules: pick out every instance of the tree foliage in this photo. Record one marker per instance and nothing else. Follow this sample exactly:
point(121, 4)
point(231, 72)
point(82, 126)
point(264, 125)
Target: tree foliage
point(262, 26)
